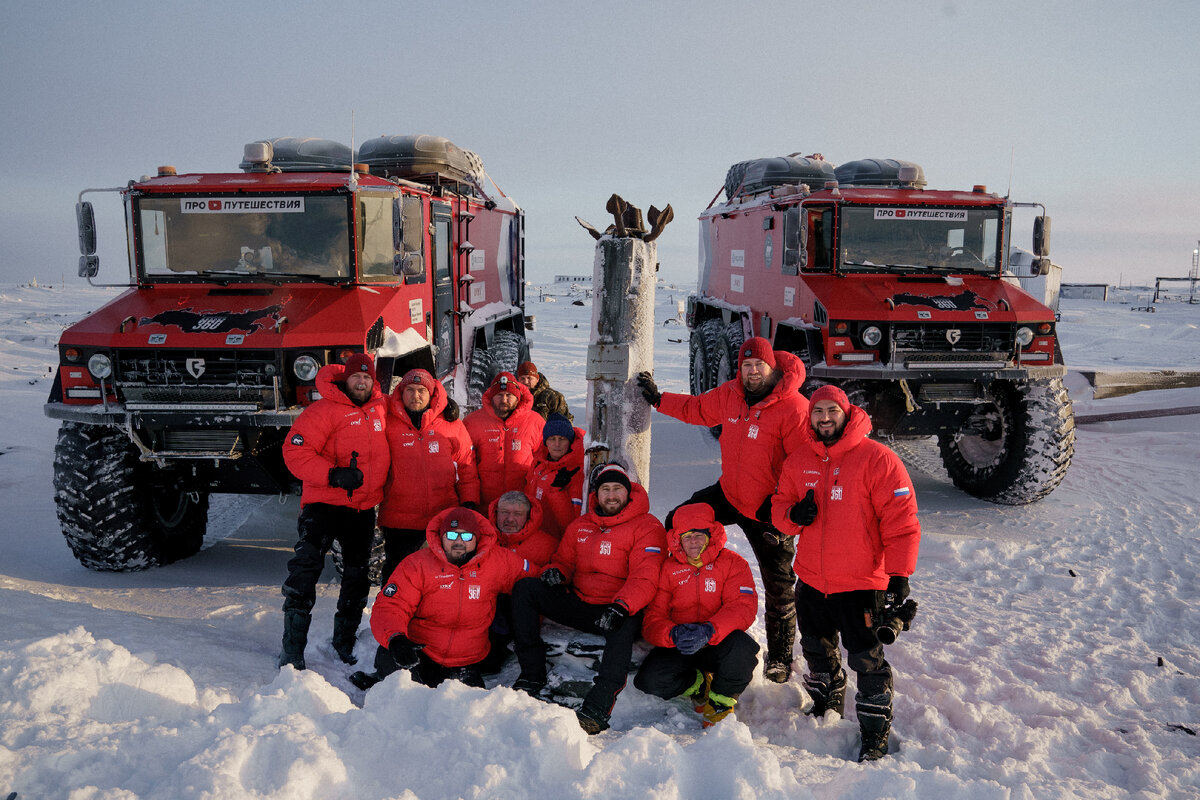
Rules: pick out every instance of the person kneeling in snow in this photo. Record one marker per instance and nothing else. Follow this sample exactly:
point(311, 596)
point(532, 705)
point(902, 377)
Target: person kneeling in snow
point(698, 619)
point(433, 614)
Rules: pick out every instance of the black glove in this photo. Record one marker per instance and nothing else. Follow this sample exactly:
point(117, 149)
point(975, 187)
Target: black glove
point(553, 577)
point(348, 478)
point(611, 616)
point(896, 593)
point(562, 478)
point(690, 637)
point(764, 511)
point(649, 388)
point(450, 412)
point(804, 512)
point(403, 651)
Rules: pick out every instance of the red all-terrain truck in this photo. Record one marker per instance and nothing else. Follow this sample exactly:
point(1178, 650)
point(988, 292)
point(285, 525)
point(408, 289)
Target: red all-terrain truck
point(897, 294)
point(243, 286)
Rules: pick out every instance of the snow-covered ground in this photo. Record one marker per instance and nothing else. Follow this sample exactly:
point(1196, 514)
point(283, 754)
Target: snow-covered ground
point(1055, 654)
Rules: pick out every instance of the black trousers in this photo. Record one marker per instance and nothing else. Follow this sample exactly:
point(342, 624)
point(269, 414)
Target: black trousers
point(823, 617)
point(668, 673)
point(398, 544)
point(532, 599)
point(775, 554)
point(319, 525)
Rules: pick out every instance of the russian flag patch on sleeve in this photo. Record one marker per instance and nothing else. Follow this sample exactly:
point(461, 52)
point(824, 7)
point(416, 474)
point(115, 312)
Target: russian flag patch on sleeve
point(903, 491)
point(746, 589)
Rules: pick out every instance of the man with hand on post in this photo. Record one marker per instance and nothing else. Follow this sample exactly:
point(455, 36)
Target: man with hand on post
point(506, 433)
point(761, 413)
point(848, 501)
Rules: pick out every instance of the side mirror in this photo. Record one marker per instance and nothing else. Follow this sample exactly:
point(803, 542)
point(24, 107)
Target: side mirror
point(85, 219)
point(410, 266)
point(1041, 266)
point(89, 266)
point(1041, 236)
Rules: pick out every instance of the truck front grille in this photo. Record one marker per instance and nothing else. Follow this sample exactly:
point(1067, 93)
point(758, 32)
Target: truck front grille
point(941, 338)
point(202, 377)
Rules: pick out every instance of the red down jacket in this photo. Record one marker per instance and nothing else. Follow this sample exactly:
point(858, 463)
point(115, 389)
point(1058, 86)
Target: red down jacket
point(531, 542)
point(328, 433)
point(561, 505)
point(721, 591)
point(504, 448)
point(754, 440)
point(447, 608)
point(866, 527)
point(433, 468)
point(606, 559)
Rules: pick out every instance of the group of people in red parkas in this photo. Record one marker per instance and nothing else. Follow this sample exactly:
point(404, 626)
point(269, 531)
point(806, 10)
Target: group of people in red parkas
point(488, 532)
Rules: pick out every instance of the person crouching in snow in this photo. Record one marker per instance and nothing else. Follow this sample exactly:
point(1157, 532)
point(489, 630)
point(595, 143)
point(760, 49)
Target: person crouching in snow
point(434, 612)
point(698, 619)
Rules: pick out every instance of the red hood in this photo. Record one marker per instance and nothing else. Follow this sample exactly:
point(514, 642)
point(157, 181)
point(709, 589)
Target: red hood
point(483, 530)
point(696, 516)
point(332, 374)
point(437, 404)
point(266, 317)
point(858, 427)
point(867, 297)
point(639, 503)
point(532, 525)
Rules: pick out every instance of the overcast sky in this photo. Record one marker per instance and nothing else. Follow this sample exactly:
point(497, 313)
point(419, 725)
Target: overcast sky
point(1088, 107)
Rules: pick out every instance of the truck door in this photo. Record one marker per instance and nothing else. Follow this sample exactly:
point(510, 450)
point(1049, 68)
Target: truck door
point(444, 318)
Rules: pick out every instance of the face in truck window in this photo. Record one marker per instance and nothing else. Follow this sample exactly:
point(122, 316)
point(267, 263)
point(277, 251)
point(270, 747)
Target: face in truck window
point(232, 236)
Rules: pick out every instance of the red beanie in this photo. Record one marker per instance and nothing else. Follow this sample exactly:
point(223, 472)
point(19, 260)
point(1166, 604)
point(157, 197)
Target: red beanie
point(359, 362)
point(526, 368)
point(757, 347)
point(416, 376)
point(831, 392)
point(505, 381)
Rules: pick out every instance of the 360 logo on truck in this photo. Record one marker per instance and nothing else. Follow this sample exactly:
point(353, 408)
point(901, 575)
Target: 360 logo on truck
point(243, 286)
point(897, 293)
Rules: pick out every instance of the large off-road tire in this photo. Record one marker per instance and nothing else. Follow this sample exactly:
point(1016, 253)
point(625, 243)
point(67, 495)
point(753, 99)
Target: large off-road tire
point(117, 513)
point(1016, 448)
point(732, 338)
point(505, 354)
point(374, 563)
point(704, 349)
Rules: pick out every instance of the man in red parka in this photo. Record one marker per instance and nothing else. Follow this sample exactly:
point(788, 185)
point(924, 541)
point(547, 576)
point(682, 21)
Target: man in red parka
point(761, 413)
point(338, 449)
point(698, 619)
point(849, 502)
point(433, 614)
point(556, 480)
point(433, 465)
point(603, 574)
point(506, 432)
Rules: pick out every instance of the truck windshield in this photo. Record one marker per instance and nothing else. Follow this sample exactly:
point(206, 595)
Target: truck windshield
point(919, 239)
point(267, 236)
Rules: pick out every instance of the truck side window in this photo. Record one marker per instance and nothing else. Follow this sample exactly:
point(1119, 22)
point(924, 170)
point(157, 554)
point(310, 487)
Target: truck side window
point(793, 245)
point(820, 240)
point(413, 245)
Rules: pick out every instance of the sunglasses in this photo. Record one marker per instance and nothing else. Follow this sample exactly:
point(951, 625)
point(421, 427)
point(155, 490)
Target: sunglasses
point(454, 536)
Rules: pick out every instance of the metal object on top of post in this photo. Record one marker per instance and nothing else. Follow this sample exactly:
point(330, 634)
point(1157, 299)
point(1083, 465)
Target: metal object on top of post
point(622, 337)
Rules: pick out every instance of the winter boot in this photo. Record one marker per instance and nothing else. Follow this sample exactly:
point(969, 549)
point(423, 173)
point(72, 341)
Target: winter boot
point(828, 692)
point(345, 635)
point(592, 719)
point(295, 638)
point(698, 692)
point(781, 635)
point(875, 723)
point(717, 708)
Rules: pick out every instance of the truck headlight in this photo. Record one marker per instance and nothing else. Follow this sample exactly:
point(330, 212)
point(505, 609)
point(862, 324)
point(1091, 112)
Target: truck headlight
point(100, 366)
point(1024, 336)
point(306, 368)
point(871, 336)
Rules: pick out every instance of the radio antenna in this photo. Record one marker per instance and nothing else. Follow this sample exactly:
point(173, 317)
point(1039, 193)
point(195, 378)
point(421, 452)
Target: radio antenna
point(1012, 154)
point(353, 171)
